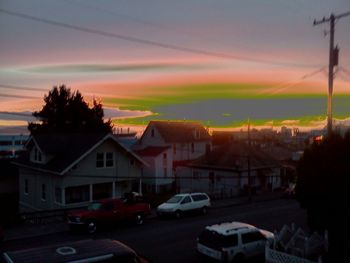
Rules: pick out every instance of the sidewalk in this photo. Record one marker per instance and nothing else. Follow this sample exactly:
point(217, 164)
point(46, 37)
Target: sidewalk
point(28, 231)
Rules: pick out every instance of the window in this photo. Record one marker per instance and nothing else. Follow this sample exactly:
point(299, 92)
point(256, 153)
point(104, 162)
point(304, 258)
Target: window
point(26, 186)
point(132, 162)
point(192, 147)
point(199, 197)
point(104, 159)
point(211, 177)
point(165, 172)
point(77, 194)
point(5, 143)
point(58, 194)
point(252, 237)
point(152, 133)
point(196, 175)
point(43, 192)
point(109, 159)
point(37, 155)
point(174, 148)
point(99, 160)
point(217, 241)
point(186, 200)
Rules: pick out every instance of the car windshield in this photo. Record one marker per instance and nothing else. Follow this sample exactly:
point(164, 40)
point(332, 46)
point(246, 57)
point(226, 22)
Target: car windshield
point(174, 199)
point(215, 240)
point(94, 206)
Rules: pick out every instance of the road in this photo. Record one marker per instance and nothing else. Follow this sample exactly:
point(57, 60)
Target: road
point(172, 240)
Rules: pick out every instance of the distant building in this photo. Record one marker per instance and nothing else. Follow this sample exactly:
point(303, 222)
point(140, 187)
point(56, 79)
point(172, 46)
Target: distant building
point(70, 170)
point(225, 171)
point(12, 145)
point(286, 132)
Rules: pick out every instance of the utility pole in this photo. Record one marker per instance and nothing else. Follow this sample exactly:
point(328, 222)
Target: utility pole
point(249, 176)
point(333, 61)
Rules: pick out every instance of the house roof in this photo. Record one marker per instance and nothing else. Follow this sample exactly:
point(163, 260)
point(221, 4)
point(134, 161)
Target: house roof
point(152, 150)
point(181, 131)
point(235, 157)
point(66, 150)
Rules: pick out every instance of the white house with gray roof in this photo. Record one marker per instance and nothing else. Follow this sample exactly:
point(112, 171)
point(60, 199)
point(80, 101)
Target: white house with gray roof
point(70, 170)
point(188, 140)
point(181, 141)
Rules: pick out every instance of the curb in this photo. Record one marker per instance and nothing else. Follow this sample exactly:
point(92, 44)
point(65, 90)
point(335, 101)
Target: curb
point(152, 216)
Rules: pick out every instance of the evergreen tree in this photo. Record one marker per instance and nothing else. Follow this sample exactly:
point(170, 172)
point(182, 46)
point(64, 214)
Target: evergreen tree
point(67, 112)
point(323, 188)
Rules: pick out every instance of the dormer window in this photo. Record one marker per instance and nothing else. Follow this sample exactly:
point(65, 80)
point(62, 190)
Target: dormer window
point(152, 133)
point(37, 155)
point(197, 134)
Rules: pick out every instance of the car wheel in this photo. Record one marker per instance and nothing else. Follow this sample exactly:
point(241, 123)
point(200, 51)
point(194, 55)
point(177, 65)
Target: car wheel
point(238, 258)
point(204, 210)
point(178, 214)
point(139, 219)
point(91, 227)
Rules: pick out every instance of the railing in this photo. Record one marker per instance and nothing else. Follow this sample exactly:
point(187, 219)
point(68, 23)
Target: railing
point(46, 216)
point(274, 256)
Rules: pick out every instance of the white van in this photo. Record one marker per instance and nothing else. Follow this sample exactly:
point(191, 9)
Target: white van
point(184, 203)
point(233, 242)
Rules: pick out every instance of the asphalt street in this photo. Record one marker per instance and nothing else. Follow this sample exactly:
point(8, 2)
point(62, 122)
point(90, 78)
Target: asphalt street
point(171, 240)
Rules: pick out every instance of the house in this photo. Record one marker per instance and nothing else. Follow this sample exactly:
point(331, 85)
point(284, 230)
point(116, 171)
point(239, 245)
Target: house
point(70, 170)
point(158, 176)
point(170, 143)
point(188, 140)
point(227, 170)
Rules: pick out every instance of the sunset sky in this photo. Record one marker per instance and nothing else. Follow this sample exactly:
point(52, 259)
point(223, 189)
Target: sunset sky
point(161, 43)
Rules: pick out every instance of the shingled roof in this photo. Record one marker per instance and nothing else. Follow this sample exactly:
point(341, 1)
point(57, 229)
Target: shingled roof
point(65, 150)
point(181, 131)
point(152, 150)
point(235, 157)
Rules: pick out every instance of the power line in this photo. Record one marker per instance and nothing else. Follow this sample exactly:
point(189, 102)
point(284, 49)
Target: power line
point(163, 27)
point(344, 70)
point(6, 86)
point(286, 85)
point(150, 42)
point(17, 96)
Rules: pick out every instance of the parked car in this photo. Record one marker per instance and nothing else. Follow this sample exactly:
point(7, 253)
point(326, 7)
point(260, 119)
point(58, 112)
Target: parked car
point(184, 203)
point(103, 250)
point(107, 212)
point(233, 242)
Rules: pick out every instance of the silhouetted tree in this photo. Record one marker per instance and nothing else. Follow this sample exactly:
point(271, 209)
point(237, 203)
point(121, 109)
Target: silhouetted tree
point(323, 188)
point(67, 112)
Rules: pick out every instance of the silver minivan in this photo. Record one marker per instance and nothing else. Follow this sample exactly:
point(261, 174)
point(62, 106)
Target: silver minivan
point(184, 203)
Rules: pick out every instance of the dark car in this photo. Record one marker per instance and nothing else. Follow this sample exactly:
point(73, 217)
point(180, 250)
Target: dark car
point(108, 212)
point(103, 250)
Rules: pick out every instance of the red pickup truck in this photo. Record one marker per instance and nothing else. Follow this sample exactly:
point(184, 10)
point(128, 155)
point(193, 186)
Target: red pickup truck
point(108, 211)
